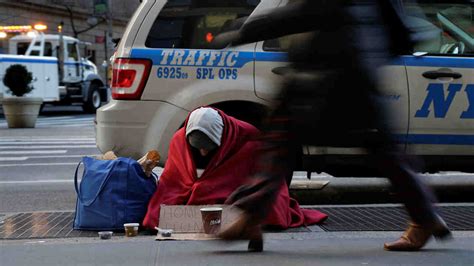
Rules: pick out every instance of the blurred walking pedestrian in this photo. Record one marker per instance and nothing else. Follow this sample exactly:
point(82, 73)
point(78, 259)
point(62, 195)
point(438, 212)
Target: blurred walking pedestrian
point(329, 98)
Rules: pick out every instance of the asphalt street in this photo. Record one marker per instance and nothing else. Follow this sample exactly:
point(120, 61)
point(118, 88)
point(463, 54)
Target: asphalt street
point(37, 165)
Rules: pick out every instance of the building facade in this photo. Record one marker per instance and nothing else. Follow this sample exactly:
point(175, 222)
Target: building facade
point(78, 18)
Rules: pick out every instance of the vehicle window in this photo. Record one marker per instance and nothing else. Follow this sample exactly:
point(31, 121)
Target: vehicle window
point(453, 18)
point(194, 23)
point(48, 49)
point(282, 44)
point(22, 47)
point(72, 51)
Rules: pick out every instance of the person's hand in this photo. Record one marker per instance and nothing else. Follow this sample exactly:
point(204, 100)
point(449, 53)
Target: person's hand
point(225, 39)
point(149, 161)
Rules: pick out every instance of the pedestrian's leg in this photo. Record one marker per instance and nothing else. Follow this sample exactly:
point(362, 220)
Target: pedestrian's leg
point(416, 196)
point(256, 197)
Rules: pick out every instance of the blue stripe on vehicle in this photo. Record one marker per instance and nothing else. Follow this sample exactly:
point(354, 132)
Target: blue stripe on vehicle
point(439, 61)
point(271, 57)
point(25, 60)
point(73, 64)
point(436, 139)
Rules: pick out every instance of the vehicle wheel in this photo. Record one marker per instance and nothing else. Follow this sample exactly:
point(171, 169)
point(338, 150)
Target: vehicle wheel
point(93, 99)
point(41, 108)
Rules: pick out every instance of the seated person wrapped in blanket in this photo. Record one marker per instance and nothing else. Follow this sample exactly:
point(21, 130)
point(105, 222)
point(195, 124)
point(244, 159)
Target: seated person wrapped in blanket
point(210, 157)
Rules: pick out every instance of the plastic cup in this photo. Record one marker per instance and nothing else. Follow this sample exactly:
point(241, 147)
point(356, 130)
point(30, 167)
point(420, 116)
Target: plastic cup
point(131, 229)
point(105, 234)
point(211, 219)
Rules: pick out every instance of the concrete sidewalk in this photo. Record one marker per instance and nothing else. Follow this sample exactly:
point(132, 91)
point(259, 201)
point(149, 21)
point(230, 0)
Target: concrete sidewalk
point(317, 248)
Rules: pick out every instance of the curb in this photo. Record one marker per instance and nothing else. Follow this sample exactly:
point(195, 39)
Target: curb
point(357, 190)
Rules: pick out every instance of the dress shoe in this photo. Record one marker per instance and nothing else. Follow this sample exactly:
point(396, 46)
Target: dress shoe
point(244, 228)
point(416, 236)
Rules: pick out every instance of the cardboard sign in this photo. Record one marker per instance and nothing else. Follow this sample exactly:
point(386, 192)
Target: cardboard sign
point(188, 219)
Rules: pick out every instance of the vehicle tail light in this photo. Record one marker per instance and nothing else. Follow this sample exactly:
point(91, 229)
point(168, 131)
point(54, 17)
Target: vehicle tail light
point(129, 77)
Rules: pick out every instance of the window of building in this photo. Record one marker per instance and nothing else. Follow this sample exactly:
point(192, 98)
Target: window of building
point(194, 23)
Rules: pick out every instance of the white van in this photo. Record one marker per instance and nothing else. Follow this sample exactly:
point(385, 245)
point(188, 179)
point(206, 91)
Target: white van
point(164, 68)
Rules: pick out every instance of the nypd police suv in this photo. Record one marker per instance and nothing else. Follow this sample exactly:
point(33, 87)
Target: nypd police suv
point(164, 67)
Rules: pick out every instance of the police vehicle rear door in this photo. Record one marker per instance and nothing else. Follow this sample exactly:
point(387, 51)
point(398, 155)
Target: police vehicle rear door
point(186, 70)
point(441, 82)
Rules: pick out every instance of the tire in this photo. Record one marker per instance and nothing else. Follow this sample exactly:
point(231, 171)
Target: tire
point(41, 108)
point(93, 99)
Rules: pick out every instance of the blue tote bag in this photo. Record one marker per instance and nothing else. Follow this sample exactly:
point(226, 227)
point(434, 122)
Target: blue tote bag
point(111, 193)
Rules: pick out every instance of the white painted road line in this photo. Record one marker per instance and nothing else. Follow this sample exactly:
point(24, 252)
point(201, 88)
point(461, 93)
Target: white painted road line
point(72, 125)
point(62, 156)
point(36, 181)
point(61, 121)
point(66, 118)
point(34, 152)
point(24, 158)
point(2, 159)
point(36, 164)
point(23, 138)
point(53, 118)
point(44, 142)
point(48, 147)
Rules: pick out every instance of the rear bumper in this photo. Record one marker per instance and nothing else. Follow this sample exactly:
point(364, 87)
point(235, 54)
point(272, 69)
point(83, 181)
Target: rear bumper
point(131, 128)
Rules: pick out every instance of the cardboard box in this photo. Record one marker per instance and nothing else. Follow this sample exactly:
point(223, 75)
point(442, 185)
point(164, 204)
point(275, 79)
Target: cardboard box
point(187, 218)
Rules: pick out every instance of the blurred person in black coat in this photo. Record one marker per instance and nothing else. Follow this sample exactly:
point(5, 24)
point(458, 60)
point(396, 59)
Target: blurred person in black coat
point(329, 97)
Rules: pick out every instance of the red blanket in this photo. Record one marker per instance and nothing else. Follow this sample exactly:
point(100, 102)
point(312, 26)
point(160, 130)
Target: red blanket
point(228, 169)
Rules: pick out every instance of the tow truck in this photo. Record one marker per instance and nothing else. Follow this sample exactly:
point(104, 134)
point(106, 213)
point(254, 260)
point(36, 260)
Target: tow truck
point(60, 74)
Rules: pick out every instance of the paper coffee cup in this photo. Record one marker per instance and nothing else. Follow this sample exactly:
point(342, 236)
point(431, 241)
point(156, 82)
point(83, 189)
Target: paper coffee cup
point(211, 219)
point(131, 229)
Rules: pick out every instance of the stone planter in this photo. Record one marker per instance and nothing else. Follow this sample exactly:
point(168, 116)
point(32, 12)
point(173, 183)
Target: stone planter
point(21, 112)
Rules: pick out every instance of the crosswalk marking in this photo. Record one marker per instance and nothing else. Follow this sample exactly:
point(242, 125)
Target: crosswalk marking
point(47, 150)
point(35, 164)
point(48, 147)
point(23, 138)
point(24, 158)
point(44, 142)
point(2, 159)
point(55, 118)
point(60, 121)
point(34, 152)
point(36, 181)
point(54, 156)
